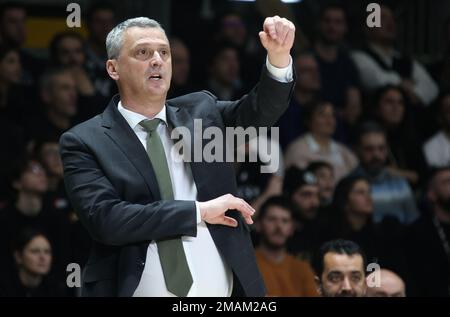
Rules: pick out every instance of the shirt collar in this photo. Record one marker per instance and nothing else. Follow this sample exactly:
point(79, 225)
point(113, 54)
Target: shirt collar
point(134, 118)
point(314, 146)
point(386, 56)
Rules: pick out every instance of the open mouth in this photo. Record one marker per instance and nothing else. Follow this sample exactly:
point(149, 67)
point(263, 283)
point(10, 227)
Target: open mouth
point(155, 77)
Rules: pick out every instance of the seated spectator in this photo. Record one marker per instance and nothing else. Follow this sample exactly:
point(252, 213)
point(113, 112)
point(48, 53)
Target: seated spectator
point(67, 50)
point(340, 268)
point(283, 274)
point(437, 148)
point(307, 87)
point(395, 116)
point(441, 69)
point(338, 73)
point(181, 66)
point(391, 194)
point(30, 184)
point(324, 174)
point(352, 220)
point(232, 28)
point(317, 144)
point(379, 64)
point(13, 18)
point(224, 73)
point(301, 188)
point(428, 240)
point(100, 20)
point(47, 151)
point(33, 259)
point(390, 284)
point(14, 102)
point(59, 95)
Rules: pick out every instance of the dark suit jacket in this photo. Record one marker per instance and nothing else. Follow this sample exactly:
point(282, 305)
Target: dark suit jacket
point(112, 186)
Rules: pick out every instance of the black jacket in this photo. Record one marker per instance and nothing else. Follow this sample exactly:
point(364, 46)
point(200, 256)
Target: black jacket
point(112, 186)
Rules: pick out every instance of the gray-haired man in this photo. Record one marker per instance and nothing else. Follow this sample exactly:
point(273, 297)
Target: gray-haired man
point(163, 227)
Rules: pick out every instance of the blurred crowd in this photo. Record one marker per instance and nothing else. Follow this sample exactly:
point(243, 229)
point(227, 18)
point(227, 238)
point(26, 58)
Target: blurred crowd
point(365, 146)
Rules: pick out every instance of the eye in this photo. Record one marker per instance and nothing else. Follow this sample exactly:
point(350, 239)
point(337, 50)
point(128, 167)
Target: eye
point(142, 53)
point(334, 278)
point(164, 52)
point(356, 278)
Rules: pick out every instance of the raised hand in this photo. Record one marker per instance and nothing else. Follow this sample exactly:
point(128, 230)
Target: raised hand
point(277, 37)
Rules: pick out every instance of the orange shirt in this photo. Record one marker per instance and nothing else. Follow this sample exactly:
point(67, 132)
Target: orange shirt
point(291, 277)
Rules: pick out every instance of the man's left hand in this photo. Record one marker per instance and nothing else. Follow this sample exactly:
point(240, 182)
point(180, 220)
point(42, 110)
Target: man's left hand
point(277, 37)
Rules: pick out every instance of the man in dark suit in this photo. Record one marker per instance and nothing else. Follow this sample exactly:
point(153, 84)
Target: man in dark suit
point(164, 227)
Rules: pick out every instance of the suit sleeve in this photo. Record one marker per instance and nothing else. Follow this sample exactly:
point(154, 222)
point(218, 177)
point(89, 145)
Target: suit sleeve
point(109, 219)
point(262, 107)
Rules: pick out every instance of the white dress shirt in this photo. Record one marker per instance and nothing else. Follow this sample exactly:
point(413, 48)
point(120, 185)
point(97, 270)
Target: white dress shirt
point(211, 275)
point(373, 76)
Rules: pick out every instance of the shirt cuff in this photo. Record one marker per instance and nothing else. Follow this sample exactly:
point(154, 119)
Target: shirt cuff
point(283, 75)
point(199, 215)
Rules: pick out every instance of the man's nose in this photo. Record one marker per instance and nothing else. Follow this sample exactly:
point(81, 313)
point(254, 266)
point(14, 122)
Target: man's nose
point(346, 284)
point(156, 59)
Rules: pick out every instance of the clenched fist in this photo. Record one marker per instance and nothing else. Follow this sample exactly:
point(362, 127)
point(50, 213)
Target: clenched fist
point(277, 37)
point(213, 211)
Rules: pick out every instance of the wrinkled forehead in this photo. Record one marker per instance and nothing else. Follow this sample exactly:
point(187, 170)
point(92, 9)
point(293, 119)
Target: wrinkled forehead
point(135, 36)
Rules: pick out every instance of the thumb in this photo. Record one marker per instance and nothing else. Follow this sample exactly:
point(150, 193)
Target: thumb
point(228, 221)
point(264, 38)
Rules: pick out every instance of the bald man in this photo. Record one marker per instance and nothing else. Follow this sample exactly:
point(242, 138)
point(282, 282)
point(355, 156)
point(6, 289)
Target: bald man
point(391, 285)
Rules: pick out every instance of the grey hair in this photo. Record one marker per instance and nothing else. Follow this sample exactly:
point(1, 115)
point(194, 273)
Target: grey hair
point(114, 40)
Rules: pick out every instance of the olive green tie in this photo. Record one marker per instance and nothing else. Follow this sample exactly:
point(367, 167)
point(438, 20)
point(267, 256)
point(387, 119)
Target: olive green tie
point(177, 276)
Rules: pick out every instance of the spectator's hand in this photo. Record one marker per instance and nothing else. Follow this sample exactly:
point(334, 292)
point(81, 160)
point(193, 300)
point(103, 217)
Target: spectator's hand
point(277, 37)
point(213, 211)
point(84, 84)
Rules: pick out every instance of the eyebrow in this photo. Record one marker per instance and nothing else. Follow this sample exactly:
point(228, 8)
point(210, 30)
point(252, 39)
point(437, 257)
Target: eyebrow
point(335, 273)
point(356, 272)
point(160, 45)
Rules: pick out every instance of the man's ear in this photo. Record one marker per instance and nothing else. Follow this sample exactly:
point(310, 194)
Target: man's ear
point(318, 287)
point(112, 68)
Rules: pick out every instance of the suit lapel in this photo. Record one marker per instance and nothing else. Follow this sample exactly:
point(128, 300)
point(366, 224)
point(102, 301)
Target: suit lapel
point(119, 131)
point(180, 117)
